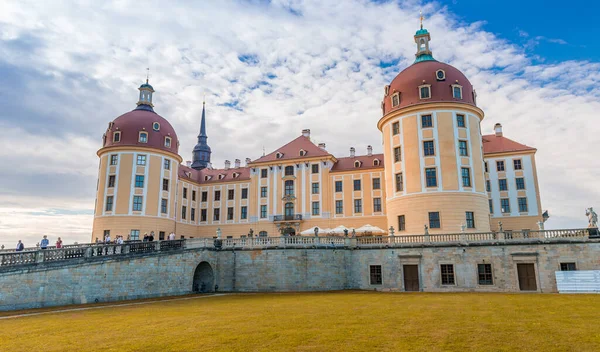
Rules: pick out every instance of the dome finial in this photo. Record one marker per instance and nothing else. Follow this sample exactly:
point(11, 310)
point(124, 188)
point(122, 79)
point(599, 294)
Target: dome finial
point(421, 18)
point(422, 39)
point(148, 68)
point(146, 90)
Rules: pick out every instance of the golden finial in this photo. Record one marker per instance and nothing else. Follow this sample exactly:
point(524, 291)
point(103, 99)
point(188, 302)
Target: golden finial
point(147, 74)
point(421, 18)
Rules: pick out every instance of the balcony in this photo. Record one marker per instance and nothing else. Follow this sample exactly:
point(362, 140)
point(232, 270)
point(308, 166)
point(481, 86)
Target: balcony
point(292, 217)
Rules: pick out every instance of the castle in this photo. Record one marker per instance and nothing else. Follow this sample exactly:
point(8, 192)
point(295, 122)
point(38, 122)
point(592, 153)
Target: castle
point(438, 173)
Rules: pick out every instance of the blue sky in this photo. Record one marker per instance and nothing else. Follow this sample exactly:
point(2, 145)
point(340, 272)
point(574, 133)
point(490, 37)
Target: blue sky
point(68, 68)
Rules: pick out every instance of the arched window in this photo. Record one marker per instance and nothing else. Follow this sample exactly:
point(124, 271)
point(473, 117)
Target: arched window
point(168, 142)
point(376, 162)
point(289, 209)
point(422, 44)
point(302, 152)
point(289, 188)
point(357, 163)
point(279, 155)
point(263, 234)
point(289, 171)
point(116, 137)
point(143, 137)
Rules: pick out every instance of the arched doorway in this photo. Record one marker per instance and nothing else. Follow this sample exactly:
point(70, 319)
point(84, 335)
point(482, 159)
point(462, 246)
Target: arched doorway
point(204, 279)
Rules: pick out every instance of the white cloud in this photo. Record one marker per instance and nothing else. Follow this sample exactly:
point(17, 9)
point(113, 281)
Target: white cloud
point(315, 64)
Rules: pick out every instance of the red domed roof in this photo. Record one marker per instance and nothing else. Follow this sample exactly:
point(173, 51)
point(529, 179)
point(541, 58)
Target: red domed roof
point(408, 81)
point(141, 120)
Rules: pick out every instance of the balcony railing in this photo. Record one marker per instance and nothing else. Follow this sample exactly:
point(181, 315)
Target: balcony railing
point(292, 217)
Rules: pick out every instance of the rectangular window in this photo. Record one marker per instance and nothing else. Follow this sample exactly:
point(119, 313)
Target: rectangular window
point(486, 166)
point(183, 212)
point(134, 235)
point(114, 159)
point(399, 183)
point(396, 128)
point(491, 206)
point(289, 171)
point(111, 181)
point(395, 100)
point(456, 92)
point(376, 183)
point(447, 274)
point(401, 223)
point(165, 185)
point(357, 185)
point(263, 211)
point(426, 121)
point(466, 176)
point(139, 181)
point(109, 203)
point(203, 215)
point(193, 214)
point(315, 188)
point(522, 204)
point(375, 274)
point(517, 164)
point(499, 165)
point(434, 220)
point(428, 148)
point(143, 137)
point(244, 213)
point(431, 177)
point(462, 148)
point(397, 154)
point(567, 267)
point(460, 120)
point(505, 205)
point(230, 213)
point(315, 208)
point(117, 137)
point(339, 206)
point(167, 164)
point(137, 203)
point(163, 206)
point(141, 160)
point(470, 219)
point(377, 205)
point(315, 168)
point(484, 274)
point(161, 235)
point(263, 173)
point(502, 184)
point(289, 188)
point(193, 196)
point(216, 214)
point(204, 196)
point(230, 194)
point(263, 192)
point(217, 196)
point(488, 185)
point(184, 193)
point(358, 205)
point(520, 183)
point(424, 92)
point(338, 186)
point(244, 193)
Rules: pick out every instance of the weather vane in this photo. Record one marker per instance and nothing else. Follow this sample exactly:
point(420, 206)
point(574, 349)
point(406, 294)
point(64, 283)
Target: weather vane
point(422, 18)
point(147, 74)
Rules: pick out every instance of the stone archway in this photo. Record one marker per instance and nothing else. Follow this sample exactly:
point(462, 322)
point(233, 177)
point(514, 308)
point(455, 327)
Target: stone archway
point(204, 278)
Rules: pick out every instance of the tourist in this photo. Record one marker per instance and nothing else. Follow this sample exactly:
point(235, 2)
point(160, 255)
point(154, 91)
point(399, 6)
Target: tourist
point(20, 246)
point(151, 237)
point(172, 236)
point(58, 243)
point(97, 240)
point(119, 239)
point(107, 238)
point(44, 243)
point(145, 237)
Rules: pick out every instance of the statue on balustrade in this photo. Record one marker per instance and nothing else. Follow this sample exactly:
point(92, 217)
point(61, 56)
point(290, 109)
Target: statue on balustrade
point(592, 218)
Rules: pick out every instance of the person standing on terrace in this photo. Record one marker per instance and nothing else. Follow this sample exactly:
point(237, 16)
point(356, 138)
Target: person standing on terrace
point(58, 243)
point(44, 243)
point(20, 246)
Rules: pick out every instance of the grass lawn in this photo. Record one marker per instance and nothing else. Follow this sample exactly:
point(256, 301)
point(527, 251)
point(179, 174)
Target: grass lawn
point(336, 321)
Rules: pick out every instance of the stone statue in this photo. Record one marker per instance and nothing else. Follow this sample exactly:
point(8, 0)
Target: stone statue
point(540, 225)
point(426, 230)
point(218, 232)
point(592, 217)
point(251, 233)
point(463, 227)
point(346, 232)
point(316, 231)
point(353, 233)
point(500, 229)
point(391, 231)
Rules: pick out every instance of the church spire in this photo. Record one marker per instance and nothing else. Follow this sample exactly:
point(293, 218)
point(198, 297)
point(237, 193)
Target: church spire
point(422, 38)
point(201, 152)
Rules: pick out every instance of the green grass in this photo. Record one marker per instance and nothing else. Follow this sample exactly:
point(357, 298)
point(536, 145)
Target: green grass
point(336, 321)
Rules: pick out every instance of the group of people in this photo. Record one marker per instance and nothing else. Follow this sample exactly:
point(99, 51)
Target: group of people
point(120, 240)
point(44, 243)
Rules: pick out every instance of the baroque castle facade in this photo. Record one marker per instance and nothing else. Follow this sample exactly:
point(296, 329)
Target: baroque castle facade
point(437, 170)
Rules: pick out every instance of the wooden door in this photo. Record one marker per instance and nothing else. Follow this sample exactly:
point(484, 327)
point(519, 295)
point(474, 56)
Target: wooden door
point(411, 277)
point(526, 274)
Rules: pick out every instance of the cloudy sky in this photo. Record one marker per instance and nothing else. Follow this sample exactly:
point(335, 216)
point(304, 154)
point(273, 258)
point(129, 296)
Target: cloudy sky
point(268, 70)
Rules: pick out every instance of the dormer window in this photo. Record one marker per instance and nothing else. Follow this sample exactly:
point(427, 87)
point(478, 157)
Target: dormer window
point(117, 137)
point(156, 126)
point(279, 155)
point(440, 75)
point(425, 91)
point(387, 90)
point(302, 152)
point(357, 163)
point(221, 177)
point(235, 175)
point(376, 162)
point(143, 137)
point(206, 178)
point(168, 142)
point(457, 91)
point(395, 99)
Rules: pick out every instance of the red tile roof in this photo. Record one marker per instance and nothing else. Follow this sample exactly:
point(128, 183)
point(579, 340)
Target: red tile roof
point(198, 176)
point(366, 163)
point(292, 151)
point(493, 144)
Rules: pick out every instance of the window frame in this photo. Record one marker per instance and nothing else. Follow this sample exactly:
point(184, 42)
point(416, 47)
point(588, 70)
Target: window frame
point(515, 161)
point(230, 213)
point(143, 133)
point(340, 188)
point(397, 154)
point(138, 203)
point(377, 204)
point(470, 220)
point(503, 185)
point(399, 182)
point(488, 186)
point(447, 275)
point(315, 189)
point(165, 184)
point(114, 159)
point(520, 205)
point(466, 178)
point(498, 163)
point(164, 205)
point(167, 164)
point(184, 193)
point(522, 183)
point(230, 194)
point(109, 202)
point(244, 194)
point(358, 209)
point(401, 222)
point(357, 185)
point(375, 275)
point(397, 96)
point(112, 181)
point(139, 181)
point(435, 221)
point(193, 214)
point(427, 121)
point(316, 208)
point(428, 177)
point(314, 168)
point(263, 211)
point(460, 91)
point(141, 160)
point(217, 214)
point(339, 207)
point(503, 209)
point(217, 195)
point(376, 183)
point(485, 278)
point(459, 118)
point(463, 148)
point(288, 187)
point(395, 128)
point(264, 192)
point(429, 148)
point(428, 90)
point(203, 215)
point(204, 196)
point(264, 173)
point(115, 138)
point(168, 142)
point(243, 212)
point(183, 212)
point(568, 266)
point(288, 171)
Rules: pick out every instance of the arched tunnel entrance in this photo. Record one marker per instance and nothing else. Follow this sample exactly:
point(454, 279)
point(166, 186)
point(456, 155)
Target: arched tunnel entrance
point(204, 279)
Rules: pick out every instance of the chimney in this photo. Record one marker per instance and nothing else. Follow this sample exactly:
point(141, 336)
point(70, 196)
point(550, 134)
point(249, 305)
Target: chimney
point(188, 163)
point(498, 130)
point(248, 161)
point(237, 163)
point(227, 164)
point(322, 146)
point(369, 150)
point(306, 133)
point(352, 152)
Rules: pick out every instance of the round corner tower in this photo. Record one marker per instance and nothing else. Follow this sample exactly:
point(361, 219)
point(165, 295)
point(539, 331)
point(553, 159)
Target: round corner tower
point(432, 143)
